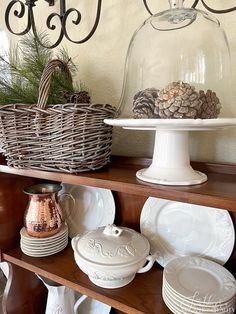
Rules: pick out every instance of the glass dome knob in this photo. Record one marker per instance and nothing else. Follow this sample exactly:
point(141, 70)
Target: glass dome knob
point(176, 4)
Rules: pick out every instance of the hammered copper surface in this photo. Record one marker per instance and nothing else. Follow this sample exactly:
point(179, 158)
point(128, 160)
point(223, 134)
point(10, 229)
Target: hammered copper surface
point(43, 215)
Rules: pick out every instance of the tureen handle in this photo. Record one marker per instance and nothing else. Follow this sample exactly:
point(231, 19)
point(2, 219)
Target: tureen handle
point(74, 241)
point(151, 260)
point(112, 230)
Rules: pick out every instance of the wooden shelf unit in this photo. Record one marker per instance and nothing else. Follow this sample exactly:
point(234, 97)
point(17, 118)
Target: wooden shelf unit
point(62, 268)
point(143, 294)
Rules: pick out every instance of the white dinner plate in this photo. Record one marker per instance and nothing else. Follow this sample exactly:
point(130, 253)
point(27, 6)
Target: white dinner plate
point(179, 309)
point(45, 253)
point(189, 276)
point(194, 301)
point(45, 243)
point(94, 207)
point(40, 248)
point(27, 238)
point(198, 308)
point(180, 229)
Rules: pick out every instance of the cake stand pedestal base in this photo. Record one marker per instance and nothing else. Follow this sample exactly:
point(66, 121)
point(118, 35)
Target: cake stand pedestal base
point(171, 161)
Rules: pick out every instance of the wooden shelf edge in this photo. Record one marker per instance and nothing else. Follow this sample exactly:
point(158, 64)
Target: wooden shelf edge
point(218, 191)
point(80, 288)
point(120, 299)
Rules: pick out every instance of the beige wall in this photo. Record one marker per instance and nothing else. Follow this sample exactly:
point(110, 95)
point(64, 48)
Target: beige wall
point(101, 63)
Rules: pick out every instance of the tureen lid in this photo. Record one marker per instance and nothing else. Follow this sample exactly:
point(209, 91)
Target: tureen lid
point(112, 245)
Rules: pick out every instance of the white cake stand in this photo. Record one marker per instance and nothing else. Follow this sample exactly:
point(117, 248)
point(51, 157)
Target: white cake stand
point(171, 162)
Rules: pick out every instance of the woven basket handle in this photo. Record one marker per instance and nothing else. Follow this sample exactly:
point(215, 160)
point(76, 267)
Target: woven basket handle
point(45, 82)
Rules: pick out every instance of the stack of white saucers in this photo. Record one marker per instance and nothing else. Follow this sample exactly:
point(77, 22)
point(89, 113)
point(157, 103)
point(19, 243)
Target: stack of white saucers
point(193, 285)
point(39, 247)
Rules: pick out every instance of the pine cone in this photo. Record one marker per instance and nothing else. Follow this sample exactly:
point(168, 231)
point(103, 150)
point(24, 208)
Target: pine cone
point(77, 97)
point(178, 100)
point(144, 103)
point(210, 107)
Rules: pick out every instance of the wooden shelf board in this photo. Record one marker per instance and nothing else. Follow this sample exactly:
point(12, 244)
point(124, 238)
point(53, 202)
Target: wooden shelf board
point(218, 191)
point(142, 295)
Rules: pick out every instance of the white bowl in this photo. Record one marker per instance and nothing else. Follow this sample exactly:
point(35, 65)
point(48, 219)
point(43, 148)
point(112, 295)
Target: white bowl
point(111, 256)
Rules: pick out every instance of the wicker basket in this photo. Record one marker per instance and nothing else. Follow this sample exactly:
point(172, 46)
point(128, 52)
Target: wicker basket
point(62, 137)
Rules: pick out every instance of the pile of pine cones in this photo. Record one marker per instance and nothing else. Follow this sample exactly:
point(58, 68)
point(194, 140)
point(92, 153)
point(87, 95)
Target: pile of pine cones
point(178, 100)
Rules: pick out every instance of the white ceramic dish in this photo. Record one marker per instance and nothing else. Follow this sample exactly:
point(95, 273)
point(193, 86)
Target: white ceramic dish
point(27, 238)
point(196, 304)
point(53, 249)
point(171, 161)
point(43, 245)
point(180, 229)
point(40, 247)
point(173, 124)
point(43, 253)
point(111, 256)
point(44, 248)
point(86, 305)
point(94, 207)
point(189, 276)
point(195, 307)
point(178, 309)
point(46, 242)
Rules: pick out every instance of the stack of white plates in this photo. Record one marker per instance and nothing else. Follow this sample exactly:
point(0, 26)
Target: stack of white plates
point(193, 285)
point(39, 247)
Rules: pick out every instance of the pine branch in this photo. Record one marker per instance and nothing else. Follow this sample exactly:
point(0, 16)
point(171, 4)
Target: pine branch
point(21, 71)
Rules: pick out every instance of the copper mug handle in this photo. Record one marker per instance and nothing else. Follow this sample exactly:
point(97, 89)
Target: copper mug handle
point(64, 211)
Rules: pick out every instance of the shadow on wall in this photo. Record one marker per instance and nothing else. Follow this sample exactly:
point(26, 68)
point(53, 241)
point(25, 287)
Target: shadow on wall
point(133, 143)
point(213, 146)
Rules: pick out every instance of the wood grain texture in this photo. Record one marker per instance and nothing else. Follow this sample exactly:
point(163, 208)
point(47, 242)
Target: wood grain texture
point(140, 296)
point(24, 293)
point(143, 294)
point(218, 191)
point(12, 206)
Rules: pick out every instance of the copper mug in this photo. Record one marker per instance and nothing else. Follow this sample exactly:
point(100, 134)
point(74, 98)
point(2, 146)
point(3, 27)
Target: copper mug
point(44, 216)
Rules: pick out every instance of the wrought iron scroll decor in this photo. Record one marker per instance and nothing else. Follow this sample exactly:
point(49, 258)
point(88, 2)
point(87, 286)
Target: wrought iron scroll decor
point(26, 10)
point(196, 2)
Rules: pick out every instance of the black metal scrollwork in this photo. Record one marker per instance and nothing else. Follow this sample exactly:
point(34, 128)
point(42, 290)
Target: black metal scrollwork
point(212, 9)
point(18, 14)
point(28, 9)
point(196, 2)
point(62, 17)
point(50, 2)
point(147, 7)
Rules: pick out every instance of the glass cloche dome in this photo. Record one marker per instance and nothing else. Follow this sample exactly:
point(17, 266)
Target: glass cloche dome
point(177, 66)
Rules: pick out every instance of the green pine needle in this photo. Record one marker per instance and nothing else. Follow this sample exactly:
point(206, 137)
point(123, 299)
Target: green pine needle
point(21, 70)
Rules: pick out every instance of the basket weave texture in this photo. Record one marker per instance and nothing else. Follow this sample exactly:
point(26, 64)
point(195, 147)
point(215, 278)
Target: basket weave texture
point(63, 137)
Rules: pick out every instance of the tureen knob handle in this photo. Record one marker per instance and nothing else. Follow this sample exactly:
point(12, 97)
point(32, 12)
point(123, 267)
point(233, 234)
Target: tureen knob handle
point(112, 230)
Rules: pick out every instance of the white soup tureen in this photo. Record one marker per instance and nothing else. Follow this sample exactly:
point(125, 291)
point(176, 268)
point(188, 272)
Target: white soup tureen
point(111, 255)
